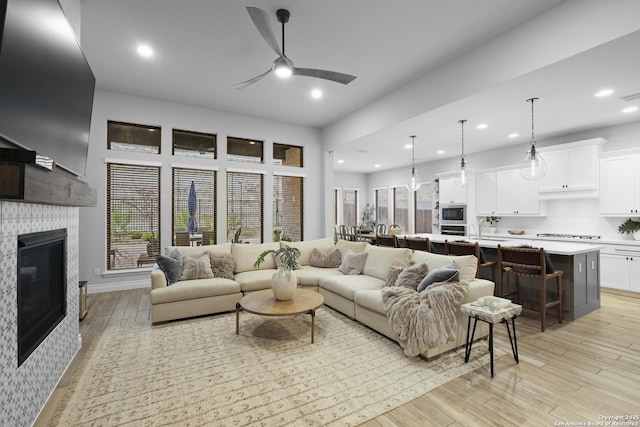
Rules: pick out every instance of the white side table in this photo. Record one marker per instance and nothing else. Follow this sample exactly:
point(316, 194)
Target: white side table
point(491, 316)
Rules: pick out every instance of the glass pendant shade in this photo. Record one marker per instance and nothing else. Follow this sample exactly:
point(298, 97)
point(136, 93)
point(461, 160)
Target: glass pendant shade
point(534, 166)
point(415, 179)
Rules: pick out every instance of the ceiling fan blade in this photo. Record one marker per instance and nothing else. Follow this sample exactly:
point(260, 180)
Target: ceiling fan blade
point(261, 21)
point(251, 81)
point(345, 79)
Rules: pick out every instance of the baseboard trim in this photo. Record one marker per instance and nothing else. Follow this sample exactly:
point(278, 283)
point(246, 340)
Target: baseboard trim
point(118, 286)
point(621, 292)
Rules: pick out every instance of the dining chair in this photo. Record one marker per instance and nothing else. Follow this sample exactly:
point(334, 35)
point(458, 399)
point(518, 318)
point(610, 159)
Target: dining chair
point(381, 229)
point(531, 263)
point(208, 237)
point(182, 238)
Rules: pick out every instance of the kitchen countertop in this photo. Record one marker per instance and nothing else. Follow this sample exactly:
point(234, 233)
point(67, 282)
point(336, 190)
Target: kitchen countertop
point(555, 247)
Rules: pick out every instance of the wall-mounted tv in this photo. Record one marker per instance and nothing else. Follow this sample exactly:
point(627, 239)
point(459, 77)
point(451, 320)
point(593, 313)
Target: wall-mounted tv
point(46, 85)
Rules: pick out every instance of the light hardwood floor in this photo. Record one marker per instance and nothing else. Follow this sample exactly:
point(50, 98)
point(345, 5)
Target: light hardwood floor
point(574, 372)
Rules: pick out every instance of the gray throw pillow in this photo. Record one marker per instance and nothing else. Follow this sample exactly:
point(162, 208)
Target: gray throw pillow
point(197, 268)
point(353, 263)
point(442, 274)
point(171, 265)
point(411, 276)
point(331, 259)
point(222, 266)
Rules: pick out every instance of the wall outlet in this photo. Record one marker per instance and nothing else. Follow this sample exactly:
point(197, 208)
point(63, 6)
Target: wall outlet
point(96, 271)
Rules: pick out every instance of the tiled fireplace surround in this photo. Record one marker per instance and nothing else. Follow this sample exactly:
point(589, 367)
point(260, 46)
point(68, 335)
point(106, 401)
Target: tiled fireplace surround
point(25, 390)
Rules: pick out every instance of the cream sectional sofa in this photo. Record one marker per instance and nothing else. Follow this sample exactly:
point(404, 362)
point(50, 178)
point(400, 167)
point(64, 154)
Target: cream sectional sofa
point(357, 296)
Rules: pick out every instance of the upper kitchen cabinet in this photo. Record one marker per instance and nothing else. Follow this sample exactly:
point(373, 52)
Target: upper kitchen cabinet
point(451, 192)
point(516, 195)
point(486, 193)
point(572, 170)
point(620, 185)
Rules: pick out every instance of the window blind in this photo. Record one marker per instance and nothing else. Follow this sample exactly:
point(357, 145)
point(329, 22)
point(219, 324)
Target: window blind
point(401, 208)
point(205, 187)
point(245, 201)
point(288, 208)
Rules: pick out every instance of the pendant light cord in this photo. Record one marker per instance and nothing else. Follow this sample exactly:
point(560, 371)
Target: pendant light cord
point(413, 151)
point(462, 140)
point(533, 140)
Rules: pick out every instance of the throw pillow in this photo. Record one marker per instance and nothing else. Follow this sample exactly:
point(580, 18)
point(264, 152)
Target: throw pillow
point(331, 259)
point(437, 275)
point(394, 271)
point(222, 265)
point(353, 263)
point(411, 276)
point(171, 265)
point(197, 268)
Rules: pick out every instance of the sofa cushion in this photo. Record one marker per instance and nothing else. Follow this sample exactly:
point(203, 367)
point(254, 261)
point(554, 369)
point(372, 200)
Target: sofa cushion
point(310, 276)
point(353, 263)
point(411, 276)
point(193, 289)
point(306, 247)
point(380, 260)
point(196, 268)
point(255, 280)
point(198, 251)
point(466, 264)
point(322, 259)
point(345, 245)
point(442, 274)
point(222, 265)
point(246, 254)
point(372, 300)
point(347, 286)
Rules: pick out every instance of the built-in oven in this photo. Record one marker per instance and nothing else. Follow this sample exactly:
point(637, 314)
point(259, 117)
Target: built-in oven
point(453, 214)
point(453, 230)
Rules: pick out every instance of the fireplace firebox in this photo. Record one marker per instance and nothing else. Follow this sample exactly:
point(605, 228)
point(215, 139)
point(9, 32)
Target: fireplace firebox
point(42, 287)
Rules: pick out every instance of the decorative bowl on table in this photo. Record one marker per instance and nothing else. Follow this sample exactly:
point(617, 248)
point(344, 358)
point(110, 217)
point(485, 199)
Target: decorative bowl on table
point(516, 232)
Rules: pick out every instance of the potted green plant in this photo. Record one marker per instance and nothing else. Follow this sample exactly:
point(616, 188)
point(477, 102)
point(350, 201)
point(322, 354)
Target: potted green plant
point(368, 218)
point(283, 281)
point(492, 223)
point(630, 226)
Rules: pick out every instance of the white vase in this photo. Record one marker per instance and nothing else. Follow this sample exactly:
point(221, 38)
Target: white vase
point(492, 228)
point(283, 284)
point(636, 235)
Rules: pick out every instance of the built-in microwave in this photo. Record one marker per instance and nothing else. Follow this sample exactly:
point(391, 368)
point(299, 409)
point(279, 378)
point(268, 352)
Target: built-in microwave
point(453, 214)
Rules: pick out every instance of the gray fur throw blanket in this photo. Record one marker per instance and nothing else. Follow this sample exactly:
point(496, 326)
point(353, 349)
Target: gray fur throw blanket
point(424, 319)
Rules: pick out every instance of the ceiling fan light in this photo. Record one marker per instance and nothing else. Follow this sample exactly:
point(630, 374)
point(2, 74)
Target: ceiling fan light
point(283, 71)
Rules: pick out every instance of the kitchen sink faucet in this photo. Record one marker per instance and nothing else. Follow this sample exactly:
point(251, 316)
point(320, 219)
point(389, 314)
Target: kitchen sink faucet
point(480, 222)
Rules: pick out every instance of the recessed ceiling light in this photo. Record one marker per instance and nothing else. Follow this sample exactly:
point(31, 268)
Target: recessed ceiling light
point(604, 92)
point(630, 109)
point(316, 94)
point(514, 135)
point(145, 50)
point(408, 146)
point(340, 161)
point(377, 165)
point(482, 126)
point(440, 152)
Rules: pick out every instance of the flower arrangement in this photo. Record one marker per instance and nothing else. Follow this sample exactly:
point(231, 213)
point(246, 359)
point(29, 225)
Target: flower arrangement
point(492, 220)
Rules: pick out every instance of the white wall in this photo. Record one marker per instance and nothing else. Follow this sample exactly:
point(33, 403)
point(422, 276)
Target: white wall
point(133, 109)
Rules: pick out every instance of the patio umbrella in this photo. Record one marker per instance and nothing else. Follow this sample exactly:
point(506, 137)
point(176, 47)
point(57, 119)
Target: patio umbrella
point(192, 203)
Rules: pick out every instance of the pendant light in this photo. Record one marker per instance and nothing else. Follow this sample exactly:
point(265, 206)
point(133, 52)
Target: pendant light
point(534, 165)
point(415, 179)
point(463, 176)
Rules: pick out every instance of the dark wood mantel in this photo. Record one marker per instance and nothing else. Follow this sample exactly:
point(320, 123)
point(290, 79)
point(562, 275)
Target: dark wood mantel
point(24, 182)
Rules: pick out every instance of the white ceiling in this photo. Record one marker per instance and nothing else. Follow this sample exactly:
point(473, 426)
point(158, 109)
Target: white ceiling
point(202, 48)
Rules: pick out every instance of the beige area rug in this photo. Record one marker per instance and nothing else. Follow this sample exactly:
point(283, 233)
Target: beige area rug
point(199, 373)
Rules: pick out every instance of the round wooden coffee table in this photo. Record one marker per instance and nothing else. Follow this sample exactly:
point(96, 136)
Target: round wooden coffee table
point(265, 304)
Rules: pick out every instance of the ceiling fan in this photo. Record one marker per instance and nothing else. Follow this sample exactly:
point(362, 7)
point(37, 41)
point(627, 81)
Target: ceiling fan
point(282, 65)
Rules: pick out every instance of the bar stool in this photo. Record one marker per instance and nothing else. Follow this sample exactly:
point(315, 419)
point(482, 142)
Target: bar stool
point(468, 248)
point(531, 263)
point(418, 243)
point(386, 240)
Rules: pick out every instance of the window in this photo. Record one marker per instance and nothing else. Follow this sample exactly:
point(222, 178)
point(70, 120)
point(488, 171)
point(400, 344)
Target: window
point(194, 144)
point(350, 206)
point(287, 155)
point(133, 215)
point(130, 137)
point(244, 150)
point(244, 206)
point(288, 208)
point(424, 208)
point(204, 183)
point(401, 208)
point(382, 206)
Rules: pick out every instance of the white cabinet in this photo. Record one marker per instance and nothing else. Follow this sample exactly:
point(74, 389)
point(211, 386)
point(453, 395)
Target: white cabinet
point(516, 195)
point(620, 269)
point(572, 172)
point(451, 192)
point(486, 192)
point(620, 185)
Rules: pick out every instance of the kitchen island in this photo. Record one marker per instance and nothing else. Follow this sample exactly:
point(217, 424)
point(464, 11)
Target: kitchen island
point(579, 261)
